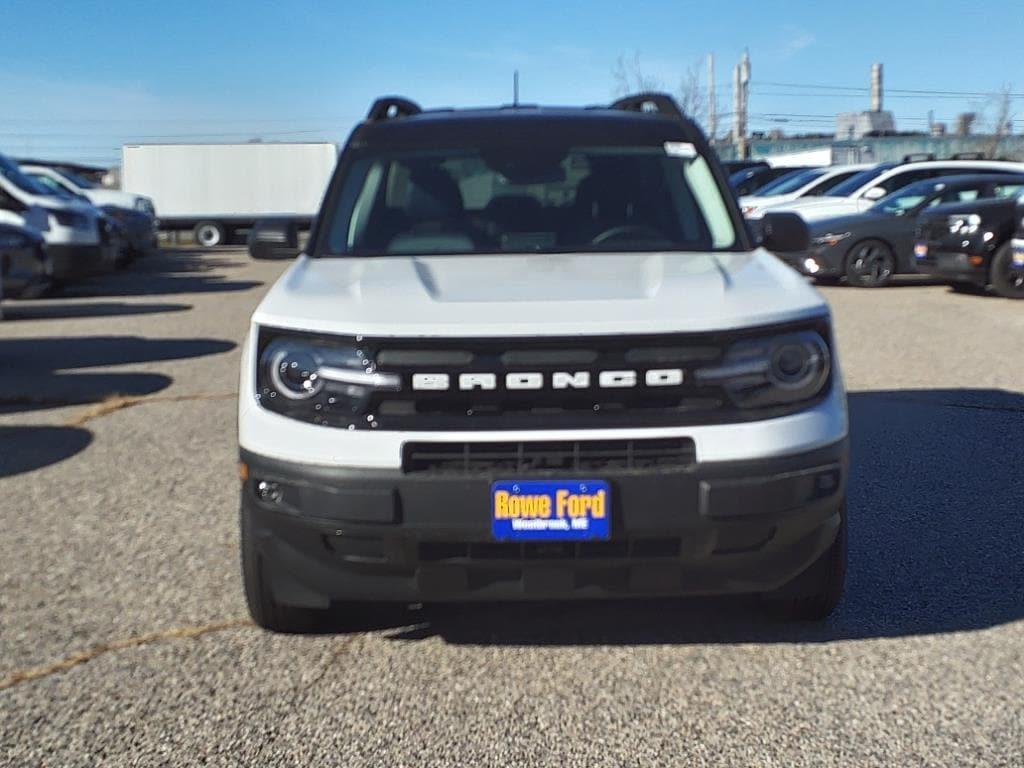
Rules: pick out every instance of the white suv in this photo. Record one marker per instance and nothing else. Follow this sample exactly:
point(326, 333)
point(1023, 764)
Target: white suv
point(532, 353)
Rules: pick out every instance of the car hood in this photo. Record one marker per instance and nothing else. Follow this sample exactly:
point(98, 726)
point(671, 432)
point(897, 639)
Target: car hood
point(857, 222)
point(537, 294)
point(823, 207)
point(112, 197)
point(763, 201)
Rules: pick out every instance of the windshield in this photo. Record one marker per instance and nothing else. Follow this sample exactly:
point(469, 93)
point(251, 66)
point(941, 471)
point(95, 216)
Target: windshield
point(503, 199)
point(791, 182)
point(14, 175)
point(79, 181)
point(52, 187)
point(858, 180)
point(908, 198)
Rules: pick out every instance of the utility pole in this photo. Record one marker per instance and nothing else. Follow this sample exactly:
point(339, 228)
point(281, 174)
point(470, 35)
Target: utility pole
point(712, 106)
point(740, 96)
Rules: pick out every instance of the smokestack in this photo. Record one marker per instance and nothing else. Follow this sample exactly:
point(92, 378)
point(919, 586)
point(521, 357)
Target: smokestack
point(876, 87)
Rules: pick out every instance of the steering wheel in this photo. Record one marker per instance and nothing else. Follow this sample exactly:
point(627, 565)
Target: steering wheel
point(614, 233)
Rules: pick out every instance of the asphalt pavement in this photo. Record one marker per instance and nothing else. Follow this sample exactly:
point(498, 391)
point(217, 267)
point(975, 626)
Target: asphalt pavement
point(124, 639)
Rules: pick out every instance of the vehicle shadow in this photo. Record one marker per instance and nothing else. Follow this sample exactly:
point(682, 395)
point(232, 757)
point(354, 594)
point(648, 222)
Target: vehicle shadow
point(43, 372)
point(52, 310)
point(936, 537)
point(27, 448)
point(167, 272)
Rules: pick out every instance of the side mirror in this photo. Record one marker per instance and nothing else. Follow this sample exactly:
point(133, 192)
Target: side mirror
point(784, 233)
point(875, 193)
point(274, 239)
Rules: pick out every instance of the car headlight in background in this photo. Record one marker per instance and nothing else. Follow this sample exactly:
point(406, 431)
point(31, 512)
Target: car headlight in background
point(778, 370)
point(318, 382)
point(961, 224)
point(829, 240)
point(71, 219)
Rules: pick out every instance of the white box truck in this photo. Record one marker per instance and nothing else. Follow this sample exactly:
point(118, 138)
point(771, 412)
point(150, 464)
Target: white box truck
point(215, 189)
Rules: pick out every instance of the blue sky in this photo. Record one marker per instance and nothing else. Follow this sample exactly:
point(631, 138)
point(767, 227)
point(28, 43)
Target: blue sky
point(78, 78)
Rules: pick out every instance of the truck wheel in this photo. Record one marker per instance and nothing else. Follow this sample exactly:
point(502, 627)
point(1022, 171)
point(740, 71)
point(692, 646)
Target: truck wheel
point(209, 234)
point(870, 264)
point(265, 610)
point(815, 593)
point(1007, 278)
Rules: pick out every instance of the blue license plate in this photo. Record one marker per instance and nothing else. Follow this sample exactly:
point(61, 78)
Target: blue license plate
point(550, 510)
point(1018, 253)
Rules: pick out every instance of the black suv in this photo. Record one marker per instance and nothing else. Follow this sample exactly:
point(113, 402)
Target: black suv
point(971, 245)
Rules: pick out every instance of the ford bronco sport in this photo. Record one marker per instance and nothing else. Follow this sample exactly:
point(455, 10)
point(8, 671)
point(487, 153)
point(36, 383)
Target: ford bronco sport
point(532, 353)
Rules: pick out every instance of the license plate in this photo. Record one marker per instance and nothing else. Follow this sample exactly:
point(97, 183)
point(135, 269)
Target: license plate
point(550, 510)
point(921, 250)
point(1018, 253)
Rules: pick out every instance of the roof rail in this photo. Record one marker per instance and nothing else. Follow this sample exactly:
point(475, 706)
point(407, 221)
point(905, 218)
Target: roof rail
point(649, 101)
point(390, 107)
point(968, 156)
point(918, 157)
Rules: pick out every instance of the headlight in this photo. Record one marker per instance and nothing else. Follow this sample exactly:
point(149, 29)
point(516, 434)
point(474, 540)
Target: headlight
point(71, 219)
point(961, 224)
point(775, 371)
point(319, 382)
point(829, 240)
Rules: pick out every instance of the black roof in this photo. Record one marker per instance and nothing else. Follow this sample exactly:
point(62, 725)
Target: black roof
point(624, 123)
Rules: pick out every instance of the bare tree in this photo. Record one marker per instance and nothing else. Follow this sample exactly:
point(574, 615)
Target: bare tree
point(1003, 120)
point(692, 96)
point(629, 77)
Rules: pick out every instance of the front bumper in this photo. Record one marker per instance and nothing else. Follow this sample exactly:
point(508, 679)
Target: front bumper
point(74, 262)
point(385, 534)
point(951, 265)
point(826, 263)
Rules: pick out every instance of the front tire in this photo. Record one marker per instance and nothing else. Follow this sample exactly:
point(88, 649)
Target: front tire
point(264, 608)
point(815, 593)
point(1007, 278)
point(209, 234)
point(870, 264)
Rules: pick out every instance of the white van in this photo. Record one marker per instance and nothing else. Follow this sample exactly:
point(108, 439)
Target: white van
point(77, 235)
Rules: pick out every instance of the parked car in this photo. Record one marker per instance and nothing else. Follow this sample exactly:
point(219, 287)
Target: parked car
point(22, 267)
point(94, 193)
point(533, 354)
point(77, 243)
point(867, 249)
point(861, 191)
point(749, 180)
point(813, 182)
point(134, 214)
point(972, 245)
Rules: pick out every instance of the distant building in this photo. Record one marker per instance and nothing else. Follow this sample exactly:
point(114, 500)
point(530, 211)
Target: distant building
point(851, 126)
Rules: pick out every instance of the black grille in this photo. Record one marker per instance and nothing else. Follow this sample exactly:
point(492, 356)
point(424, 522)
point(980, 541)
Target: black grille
point(638, 548)
point(590, 406)
point(541, 457)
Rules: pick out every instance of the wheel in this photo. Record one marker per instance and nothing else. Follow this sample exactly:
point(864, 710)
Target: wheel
point(209, 234)
point(265, 610)
point(815, 593)
point(1006, 277)
point(870, 264)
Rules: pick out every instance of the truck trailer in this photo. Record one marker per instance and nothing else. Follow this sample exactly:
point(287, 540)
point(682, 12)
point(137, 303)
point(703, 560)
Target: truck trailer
point(215, 189)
